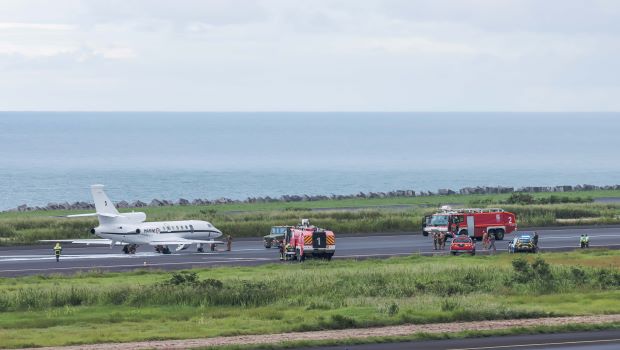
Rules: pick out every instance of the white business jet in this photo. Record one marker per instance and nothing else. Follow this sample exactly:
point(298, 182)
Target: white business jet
point(130, 230)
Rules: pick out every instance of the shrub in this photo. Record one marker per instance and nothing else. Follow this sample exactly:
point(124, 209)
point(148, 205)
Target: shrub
point(449, 304)
point(338, 322)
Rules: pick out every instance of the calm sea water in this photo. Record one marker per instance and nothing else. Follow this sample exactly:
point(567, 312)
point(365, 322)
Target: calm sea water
point(47, 156)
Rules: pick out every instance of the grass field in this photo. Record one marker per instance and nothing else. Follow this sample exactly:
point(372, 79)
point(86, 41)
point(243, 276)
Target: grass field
point(373, 215)
point(96, 307)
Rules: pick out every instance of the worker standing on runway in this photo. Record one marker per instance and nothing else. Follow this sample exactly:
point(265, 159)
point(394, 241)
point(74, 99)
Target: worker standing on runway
point(441, 240)
point(228, 243)
point(287, 248)
point(492, 242)
point(57, 251)
point(281, 249)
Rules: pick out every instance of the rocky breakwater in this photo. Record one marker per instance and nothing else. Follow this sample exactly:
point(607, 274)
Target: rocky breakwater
point(308, 198)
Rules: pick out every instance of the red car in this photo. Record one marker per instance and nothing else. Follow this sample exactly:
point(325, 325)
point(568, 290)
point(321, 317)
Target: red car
point(463, 244)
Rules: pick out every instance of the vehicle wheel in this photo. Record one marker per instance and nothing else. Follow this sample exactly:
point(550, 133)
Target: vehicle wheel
point(267, 246)
point(424, 233)
point(473, 253)
point(329, 256)
point(453, 253)
point(499, 235)
point(166, 250)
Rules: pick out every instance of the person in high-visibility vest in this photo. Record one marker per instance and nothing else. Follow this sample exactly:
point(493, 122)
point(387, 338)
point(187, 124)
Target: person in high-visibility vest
point(288, 248)
point(57, 251)
point(584, 241)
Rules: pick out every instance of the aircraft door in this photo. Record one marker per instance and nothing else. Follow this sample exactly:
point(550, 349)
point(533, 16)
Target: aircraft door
point(470, 226)
point(191, 229)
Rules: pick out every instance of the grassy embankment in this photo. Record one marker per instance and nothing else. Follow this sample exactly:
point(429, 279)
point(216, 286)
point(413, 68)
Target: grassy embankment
point(97, 307)
point(374, 215)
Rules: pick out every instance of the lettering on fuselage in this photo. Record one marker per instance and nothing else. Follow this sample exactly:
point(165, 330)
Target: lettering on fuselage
point(151, 230)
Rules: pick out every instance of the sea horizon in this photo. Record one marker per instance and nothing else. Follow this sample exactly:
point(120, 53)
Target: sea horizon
point(55, 156)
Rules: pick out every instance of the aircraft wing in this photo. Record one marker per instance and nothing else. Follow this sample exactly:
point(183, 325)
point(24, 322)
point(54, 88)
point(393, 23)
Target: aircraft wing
point(178, 241)
point(83, 241)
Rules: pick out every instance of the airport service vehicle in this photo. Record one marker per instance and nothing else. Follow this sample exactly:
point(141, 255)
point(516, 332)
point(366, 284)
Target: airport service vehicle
point(522, 243)
point(463, 244)
point(277, 234)
point(311, 242)
point(472, 222)
point(131, 230)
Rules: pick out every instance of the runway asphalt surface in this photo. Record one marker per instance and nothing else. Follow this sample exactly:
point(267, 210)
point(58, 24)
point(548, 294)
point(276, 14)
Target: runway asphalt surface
point(598, 340)
point(32, 260)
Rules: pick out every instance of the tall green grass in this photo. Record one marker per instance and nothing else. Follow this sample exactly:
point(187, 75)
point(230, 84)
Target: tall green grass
point(52, 310)
point(309, 286)
point(30, 228)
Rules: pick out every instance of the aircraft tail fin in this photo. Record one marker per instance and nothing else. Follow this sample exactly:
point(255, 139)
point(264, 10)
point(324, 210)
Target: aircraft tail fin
point(103, 204)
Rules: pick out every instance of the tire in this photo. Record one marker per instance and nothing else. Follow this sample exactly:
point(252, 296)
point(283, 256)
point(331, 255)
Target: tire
point(473, 253)
point(329, 256)
point(499, 235)
point(453, 253)
point(424, 233)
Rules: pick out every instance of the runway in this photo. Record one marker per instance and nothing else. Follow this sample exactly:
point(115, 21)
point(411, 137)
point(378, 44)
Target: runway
point(32, 260)
point(599, 340)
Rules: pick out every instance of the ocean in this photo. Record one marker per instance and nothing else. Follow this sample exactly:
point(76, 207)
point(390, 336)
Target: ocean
point(55, 156)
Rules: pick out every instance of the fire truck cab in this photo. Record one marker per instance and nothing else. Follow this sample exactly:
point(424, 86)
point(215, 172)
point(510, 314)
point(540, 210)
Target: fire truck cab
point(310, 241)
point(472, 222)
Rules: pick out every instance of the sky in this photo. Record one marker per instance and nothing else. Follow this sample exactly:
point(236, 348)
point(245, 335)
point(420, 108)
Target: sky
point(302, 55)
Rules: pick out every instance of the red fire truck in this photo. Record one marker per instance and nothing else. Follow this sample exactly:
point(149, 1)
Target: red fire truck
point(309, 241)
point(471, 221)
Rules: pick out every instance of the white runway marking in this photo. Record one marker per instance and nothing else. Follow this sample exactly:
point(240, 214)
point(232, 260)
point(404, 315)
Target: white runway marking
point(136, 265)
point(74, 257)
point(540, 344)
point(576, 237)
point(4, 258)
point(251, 249)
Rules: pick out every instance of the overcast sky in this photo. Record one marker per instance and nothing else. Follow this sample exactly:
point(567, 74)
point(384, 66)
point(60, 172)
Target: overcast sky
point(310, 55)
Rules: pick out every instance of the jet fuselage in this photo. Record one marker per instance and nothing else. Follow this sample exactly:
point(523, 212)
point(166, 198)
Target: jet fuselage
point(145, 232)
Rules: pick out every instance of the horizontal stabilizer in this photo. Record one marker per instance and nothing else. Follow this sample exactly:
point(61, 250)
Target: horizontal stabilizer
point(87, 215)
